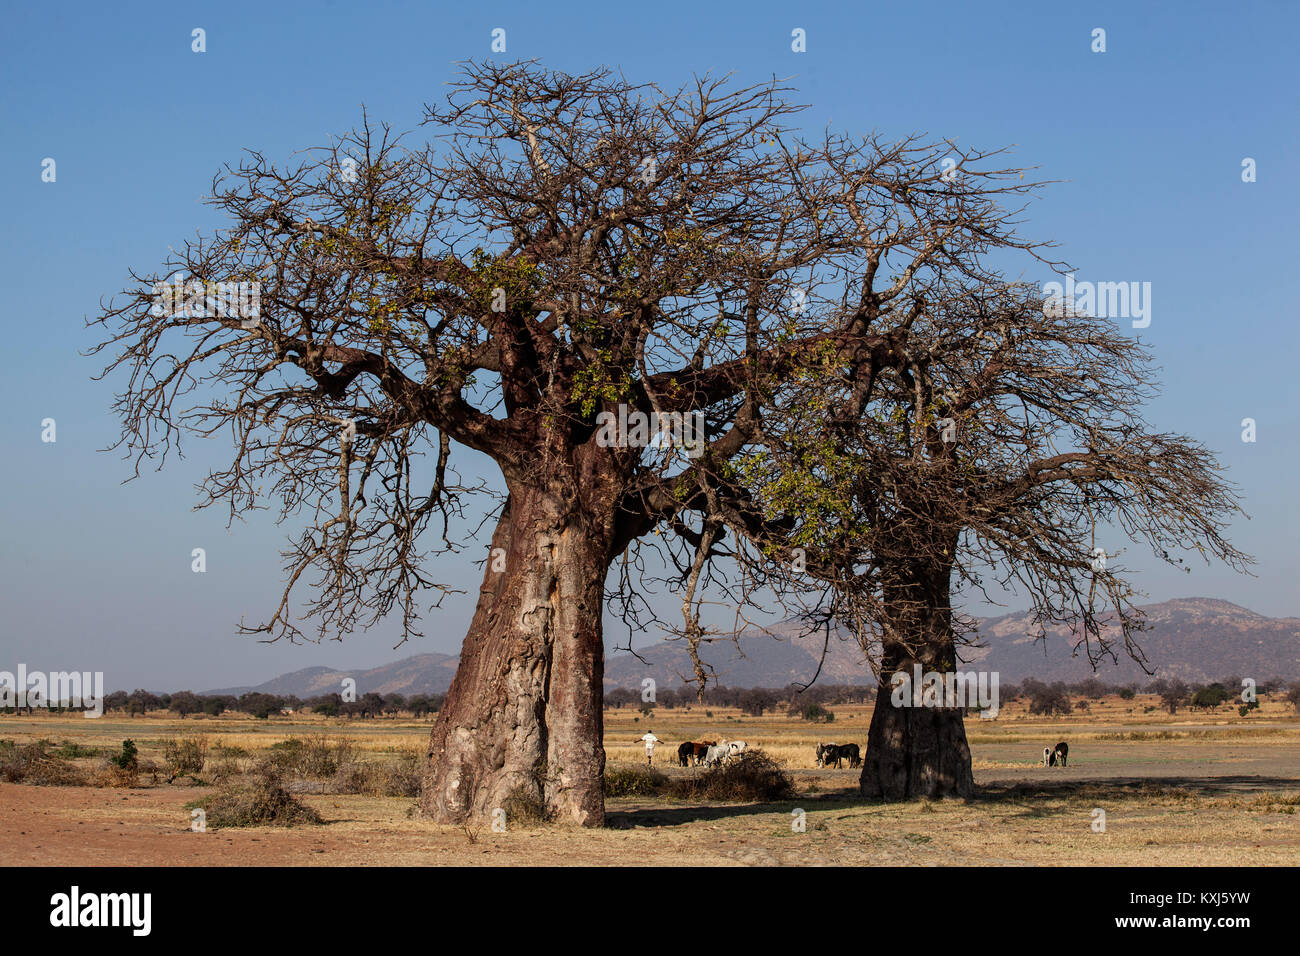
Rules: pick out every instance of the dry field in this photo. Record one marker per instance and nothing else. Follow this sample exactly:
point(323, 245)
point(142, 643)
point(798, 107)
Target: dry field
point(1192, 789)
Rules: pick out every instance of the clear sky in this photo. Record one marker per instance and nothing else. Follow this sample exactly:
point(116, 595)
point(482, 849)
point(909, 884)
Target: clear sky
point(1148, 138)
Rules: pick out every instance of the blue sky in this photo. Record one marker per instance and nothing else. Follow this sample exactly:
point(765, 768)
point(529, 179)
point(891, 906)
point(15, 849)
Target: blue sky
point(1148, 139)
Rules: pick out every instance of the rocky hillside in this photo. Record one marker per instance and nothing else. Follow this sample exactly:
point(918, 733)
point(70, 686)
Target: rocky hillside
point(1192, 639)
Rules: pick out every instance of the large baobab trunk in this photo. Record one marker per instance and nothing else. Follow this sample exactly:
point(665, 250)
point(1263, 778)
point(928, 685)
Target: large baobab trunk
point(917, 751)
point(523, 714)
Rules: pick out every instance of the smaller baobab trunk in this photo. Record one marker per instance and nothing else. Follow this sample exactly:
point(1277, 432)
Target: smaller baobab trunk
point(917, 751)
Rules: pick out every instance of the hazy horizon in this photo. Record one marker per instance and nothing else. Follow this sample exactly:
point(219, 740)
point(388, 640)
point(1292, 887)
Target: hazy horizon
point(412, 649)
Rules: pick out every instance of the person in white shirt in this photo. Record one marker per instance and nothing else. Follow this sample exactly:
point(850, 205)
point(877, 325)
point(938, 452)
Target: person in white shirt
point(650, 741)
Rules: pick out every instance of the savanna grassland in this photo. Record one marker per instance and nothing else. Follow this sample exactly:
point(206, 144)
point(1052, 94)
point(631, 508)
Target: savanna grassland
point(1195, 788)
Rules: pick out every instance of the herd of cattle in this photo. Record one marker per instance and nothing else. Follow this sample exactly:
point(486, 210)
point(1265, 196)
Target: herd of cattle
point(828, 754)
point(708, 753)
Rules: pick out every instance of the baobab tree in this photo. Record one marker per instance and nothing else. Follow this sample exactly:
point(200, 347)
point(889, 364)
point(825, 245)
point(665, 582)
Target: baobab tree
point(1003, 441)
point(564, 260)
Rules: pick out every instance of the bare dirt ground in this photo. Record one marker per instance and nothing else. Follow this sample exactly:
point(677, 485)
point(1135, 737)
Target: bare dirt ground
point(1189, 790)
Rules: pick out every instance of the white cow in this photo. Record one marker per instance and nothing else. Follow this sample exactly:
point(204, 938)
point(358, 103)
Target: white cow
point(736, 747)
point(715, 755)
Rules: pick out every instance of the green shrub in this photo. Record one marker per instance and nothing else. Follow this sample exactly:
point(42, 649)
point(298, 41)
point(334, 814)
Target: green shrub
point(129, 758)
point(817, 714)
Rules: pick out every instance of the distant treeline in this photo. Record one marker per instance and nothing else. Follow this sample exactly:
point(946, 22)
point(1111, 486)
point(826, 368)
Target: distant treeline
point(261, 705)
point(811, 703)
point(1054, 698)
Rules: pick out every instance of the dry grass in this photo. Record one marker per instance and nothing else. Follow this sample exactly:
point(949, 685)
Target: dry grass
point(1194, 789)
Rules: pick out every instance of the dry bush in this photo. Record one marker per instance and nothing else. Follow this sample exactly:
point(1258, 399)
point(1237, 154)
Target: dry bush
point(224, 768)
point(109, 774)
point(264, 802)
point(524, 807)
point(228, 762)
point(316, 756)
point(69, 750)
point(635, 782)
point(381, 778)
point(752, 775)
point(33, 764)
point(185, 755)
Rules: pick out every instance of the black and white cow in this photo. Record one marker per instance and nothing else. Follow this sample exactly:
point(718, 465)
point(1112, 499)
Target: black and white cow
point(828, 754)
point(1053, 755)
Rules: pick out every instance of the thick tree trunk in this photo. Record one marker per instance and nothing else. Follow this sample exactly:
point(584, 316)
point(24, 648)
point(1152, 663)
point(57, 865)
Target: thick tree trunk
point(523, 715)
point(917, 751)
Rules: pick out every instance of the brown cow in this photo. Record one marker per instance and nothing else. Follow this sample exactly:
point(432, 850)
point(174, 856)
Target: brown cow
point(700, 749)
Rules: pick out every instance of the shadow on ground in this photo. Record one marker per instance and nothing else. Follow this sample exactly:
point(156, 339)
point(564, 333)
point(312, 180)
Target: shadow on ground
point(992, 794)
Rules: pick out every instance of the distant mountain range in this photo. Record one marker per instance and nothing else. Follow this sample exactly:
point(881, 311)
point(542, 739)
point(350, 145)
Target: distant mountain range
point(421, 674)
point(1192, 639)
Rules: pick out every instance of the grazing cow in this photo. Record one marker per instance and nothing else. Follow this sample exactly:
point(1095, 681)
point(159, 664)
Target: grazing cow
point(736, 747)
point(715, 755)
point(685, 752)
point(851, 753)
point(700, 750)
point(1061, 753)
point(1049, 759)
point(837, 753)
point(828, 754)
